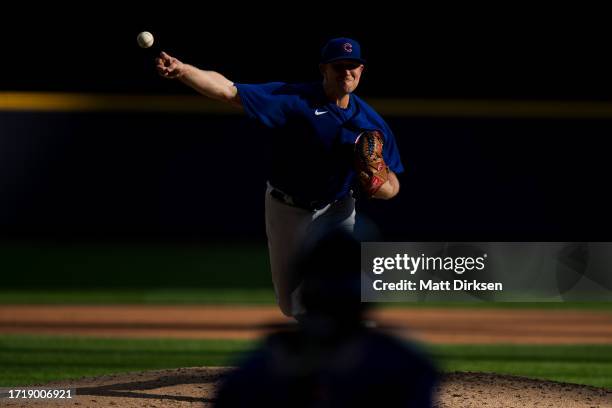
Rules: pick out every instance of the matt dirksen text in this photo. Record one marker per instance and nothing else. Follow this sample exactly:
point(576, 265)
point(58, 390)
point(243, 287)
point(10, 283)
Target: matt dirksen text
point(408, 285)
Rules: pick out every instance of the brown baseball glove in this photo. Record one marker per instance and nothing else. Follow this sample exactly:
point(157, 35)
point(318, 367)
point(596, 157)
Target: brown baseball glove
point(369, 162)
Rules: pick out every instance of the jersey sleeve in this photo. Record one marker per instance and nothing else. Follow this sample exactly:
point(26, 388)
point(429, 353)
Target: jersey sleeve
point(266, 103)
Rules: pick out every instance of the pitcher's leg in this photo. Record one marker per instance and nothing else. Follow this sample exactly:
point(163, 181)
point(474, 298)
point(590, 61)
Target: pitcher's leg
point(286, 228)
point(341, 214)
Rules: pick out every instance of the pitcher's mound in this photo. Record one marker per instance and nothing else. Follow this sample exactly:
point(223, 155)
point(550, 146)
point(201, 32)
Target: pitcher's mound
point(195, 387)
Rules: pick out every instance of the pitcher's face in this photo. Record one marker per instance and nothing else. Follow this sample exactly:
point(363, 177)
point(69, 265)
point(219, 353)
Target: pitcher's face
point(342, 75)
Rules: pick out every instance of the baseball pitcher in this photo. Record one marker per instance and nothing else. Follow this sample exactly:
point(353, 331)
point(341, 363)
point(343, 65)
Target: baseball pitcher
point(329, 147)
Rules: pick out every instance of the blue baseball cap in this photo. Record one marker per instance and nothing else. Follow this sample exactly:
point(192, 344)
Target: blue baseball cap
point(341, 49)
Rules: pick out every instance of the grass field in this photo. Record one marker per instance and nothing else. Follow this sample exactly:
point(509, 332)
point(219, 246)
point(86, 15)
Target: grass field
point(138, 296)
point(134, 266)
point(580, 364)
point(220, 296)
point(47, 273)
point(29, 360)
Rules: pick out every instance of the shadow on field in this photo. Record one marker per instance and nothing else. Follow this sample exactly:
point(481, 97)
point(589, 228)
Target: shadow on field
point(132, 389)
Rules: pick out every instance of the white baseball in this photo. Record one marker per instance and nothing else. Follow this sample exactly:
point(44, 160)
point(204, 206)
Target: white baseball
point(145, 39)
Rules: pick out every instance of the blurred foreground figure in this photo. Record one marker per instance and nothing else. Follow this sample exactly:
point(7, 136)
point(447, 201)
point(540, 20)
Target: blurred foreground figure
point(330, 359)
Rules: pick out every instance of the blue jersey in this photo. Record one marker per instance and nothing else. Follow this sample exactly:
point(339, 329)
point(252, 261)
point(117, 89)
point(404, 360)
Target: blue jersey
point(313, 139)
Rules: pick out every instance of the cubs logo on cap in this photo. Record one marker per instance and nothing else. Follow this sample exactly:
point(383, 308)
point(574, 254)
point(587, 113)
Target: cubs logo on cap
point(341, 49)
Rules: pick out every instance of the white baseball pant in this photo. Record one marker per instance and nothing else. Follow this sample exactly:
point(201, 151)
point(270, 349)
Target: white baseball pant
point(287, 228)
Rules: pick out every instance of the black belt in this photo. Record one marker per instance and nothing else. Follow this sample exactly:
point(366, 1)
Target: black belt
point(297, 202)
